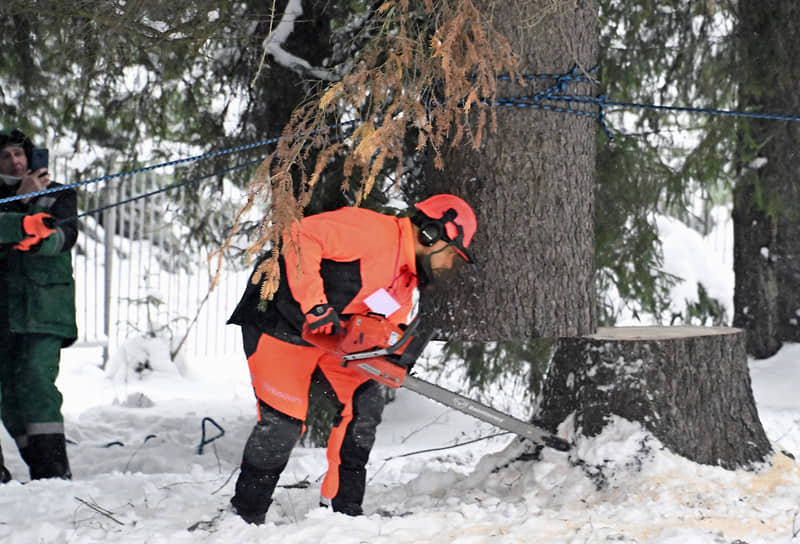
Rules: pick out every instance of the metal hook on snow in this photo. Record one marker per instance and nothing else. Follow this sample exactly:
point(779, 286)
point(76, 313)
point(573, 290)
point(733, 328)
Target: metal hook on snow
point(203, 439)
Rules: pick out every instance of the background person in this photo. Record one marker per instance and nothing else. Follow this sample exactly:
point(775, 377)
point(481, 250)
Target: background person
point(37, 307)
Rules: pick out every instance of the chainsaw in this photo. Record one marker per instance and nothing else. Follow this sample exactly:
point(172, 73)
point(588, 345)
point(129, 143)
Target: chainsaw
point(384, 352)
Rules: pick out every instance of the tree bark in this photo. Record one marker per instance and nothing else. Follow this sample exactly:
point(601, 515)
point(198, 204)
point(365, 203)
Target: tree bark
point(532, 185)
point(755, 295)
point(689, 386)
point(766, 212)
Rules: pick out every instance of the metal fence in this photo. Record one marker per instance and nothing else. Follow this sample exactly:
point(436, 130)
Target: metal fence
point(136, 276)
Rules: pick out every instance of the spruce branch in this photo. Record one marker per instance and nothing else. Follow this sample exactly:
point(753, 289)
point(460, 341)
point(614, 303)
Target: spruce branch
point(430, 72)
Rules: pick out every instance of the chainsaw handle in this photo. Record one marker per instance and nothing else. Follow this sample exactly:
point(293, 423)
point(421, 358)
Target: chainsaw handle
point(407, 335)
point(328, 342)
point(414, 349)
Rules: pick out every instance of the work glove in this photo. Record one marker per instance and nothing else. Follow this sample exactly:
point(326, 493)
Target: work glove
point(323, 319)
point(36, 228)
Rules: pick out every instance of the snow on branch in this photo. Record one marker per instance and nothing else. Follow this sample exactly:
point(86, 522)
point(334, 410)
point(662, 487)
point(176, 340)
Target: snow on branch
point(273, 45)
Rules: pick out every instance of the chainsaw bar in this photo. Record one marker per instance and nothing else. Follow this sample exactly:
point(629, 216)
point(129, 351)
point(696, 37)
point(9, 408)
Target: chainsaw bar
point(531, 431)
point(360, 332)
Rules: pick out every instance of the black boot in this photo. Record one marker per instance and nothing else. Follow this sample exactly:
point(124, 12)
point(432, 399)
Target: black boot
point(352, 483)
point(253, 518)
point(351, 509)
point(254, 489)
point(46, 456)
point(348, 508)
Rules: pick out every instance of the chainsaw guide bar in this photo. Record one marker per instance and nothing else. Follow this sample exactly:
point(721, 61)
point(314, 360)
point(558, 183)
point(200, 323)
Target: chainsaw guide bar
point(373, 346)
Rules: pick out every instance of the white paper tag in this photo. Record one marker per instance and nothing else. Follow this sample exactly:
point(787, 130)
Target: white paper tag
point(381, 302)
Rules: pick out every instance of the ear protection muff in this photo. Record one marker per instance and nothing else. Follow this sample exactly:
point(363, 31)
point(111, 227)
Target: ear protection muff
point(430, 232)
point(433, 230)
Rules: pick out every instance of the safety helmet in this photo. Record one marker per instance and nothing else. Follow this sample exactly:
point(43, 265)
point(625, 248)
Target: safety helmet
point(447, 217)
point(17, 138)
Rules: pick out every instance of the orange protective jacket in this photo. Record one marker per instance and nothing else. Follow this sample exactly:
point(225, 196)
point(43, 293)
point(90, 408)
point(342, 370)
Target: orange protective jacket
point(340, 258)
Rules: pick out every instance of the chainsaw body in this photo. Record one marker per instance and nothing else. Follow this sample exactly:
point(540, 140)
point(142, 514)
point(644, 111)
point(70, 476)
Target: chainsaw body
point(373, 346)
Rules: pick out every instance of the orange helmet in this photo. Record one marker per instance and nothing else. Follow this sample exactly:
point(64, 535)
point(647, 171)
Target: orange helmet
point(447, 217)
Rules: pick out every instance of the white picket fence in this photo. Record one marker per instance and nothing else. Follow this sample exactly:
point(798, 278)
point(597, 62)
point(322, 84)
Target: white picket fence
point(137, 278)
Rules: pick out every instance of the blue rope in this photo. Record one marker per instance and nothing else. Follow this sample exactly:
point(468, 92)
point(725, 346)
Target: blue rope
point(137, 171)
point(562, 81)
point(602, 102)
point(561, 84)
point(574, 74)
point(513, 102)
point(157, 191)
point(161, 165)
point(599, 115)
point(176, 185)
point(552, 93)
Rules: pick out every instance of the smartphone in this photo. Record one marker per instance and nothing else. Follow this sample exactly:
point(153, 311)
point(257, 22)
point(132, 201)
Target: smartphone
point(40, 158)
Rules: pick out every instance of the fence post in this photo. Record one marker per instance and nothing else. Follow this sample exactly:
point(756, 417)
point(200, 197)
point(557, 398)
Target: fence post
point(108, 260)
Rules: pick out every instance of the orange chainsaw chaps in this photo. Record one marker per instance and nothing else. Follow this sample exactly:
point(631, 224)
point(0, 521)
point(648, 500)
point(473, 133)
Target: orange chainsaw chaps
point(380, 370)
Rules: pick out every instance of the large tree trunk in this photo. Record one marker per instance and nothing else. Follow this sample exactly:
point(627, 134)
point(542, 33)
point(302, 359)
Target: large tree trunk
point(755, 295)
point(532, 185)
point(766, 212)
point(689, 386)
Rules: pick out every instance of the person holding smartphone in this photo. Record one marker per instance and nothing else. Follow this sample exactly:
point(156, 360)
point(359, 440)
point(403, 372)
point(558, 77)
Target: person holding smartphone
point(37, 304)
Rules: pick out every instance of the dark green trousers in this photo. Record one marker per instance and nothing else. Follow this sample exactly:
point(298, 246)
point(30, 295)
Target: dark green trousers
point(30, 402)
point(29, 399)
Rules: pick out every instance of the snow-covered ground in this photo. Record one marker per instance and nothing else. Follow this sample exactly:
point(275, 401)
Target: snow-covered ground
point(138, 476)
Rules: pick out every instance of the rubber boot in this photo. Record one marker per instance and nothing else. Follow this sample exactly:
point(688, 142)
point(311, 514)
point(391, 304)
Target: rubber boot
point(46, 456)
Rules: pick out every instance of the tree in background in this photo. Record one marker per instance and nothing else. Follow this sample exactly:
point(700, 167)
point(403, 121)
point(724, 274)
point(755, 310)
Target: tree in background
point(676, 52)
point(720, 55)
point(766, 213)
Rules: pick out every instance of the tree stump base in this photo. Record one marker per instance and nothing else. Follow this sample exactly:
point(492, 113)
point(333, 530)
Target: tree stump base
point(689, 386)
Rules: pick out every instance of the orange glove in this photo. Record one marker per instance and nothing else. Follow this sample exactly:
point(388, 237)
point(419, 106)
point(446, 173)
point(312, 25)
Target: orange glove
point(323, 319)
point(36, 227)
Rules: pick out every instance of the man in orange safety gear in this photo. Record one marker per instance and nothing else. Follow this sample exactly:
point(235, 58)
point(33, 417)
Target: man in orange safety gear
point(335, 265)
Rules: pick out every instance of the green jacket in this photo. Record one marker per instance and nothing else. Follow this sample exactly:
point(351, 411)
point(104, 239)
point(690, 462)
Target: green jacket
point(37, 289)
